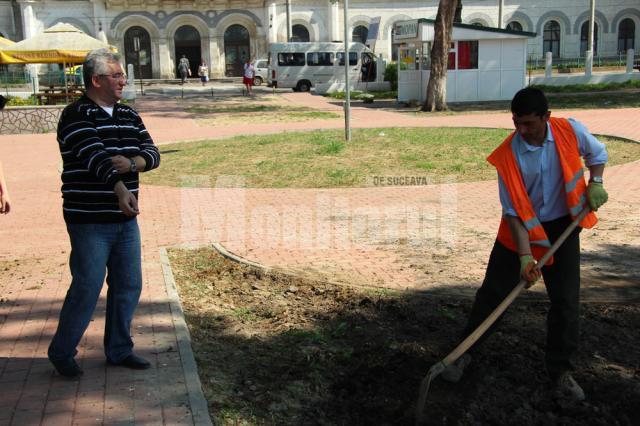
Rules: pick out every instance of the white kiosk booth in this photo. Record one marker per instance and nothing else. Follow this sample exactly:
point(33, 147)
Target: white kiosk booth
point(484, 63)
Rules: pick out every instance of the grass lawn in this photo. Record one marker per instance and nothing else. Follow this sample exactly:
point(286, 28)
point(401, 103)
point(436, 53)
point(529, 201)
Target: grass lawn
point(322, 159)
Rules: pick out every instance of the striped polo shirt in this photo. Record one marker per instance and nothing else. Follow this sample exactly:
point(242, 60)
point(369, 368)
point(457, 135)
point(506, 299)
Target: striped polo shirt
point(88, 137)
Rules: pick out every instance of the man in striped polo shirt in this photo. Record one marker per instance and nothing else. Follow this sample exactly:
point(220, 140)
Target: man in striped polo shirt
point(104, 145)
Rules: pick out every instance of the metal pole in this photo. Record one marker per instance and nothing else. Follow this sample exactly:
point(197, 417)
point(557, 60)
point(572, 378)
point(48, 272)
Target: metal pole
point(347, 89)
point(288, 21)
point(500, 7)
point(140, 75)
point(592, 24)
point(66, 87)
point(590, 52)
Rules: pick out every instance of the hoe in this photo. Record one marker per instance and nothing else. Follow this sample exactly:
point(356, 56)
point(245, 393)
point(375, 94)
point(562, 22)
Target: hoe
point(439, 367)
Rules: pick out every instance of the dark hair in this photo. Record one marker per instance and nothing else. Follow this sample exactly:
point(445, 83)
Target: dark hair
point(529, 101)
point(96, 63)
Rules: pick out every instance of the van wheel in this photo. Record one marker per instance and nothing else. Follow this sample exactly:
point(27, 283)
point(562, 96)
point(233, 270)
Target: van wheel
point(303, 86)
point(257, 81)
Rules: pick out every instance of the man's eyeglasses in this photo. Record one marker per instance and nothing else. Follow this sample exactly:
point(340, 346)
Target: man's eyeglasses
point(115, 76)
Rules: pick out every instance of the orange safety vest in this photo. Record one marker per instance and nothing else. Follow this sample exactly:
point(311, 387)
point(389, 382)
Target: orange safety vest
point(505, 162)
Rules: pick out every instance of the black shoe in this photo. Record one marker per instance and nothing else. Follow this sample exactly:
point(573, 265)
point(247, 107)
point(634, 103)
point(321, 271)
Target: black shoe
point(134, 362)
point(67, 367)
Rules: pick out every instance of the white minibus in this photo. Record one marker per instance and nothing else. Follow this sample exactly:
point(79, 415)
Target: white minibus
point(301, 66)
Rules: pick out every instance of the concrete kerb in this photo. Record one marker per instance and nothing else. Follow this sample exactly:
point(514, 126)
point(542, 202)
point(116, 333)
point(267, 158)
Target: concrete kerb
point(197, 401)
point(286, 272)
point(622, 138)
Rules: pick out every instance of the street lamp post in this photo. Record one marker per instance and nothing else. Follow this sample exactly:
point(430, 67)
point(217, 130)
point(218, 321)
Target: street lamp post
point(136, 48)
point(347, 89)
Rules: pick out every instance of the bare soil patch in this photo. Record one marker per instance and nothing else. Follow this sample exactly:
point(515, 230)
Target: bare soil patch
point(275, 349)
point(220, 111)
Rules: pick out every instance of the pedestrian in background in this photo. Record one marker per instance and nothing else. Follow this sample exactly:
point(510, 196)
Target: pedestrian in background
point(249, 73)
point(203, 72)
point(184, 68)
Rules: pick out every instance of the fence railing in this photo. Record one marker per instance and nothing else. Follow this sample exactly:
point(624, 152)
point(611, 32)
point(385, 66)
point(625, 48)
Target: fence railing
point(12, 76)
point(604, 60)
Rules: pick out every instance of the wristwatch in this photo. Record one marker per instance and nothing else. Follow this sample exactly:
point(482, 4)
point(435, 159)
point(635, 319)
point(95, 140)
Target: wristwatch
point(596, 179)
point(134, 168)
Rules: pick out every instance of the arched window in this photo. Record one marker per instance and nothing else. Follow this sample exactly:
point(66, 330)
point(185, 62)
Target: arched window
point(187, 43)
point(299, 33)
point(514, 26)
point(626, 35)
point(137, 51)
point(584, 38)
point(551, 39)
point(360, 34)
point(237, 42)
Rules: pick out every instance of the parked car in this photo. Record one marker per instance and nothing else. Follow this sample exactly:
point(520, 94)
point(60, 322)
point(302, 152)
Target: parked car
point(261, 71)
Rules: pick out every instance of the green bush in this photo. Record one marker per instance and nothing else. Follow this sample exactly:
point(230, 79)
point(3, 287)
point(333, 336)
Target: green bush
point(18, 101)
point(391, 75)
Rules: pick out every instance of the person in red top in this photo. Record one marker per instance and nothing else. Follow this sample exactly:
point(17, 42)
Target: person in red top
point(542, 189)
point(249, 74)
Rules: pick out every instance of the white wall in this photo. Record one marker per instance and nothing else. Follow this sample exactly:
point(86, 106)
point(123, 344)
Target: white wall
point(500, 74)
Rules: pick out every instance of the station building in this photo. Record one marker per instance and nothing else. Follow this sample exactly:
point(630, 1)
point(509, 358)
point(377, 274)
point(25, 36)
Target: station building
point(154, 34)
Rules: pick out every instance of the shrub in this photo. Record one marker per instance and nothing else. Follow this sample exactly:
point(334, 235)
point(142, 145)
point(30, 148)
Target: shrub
point(391, 75)
point(18, 101)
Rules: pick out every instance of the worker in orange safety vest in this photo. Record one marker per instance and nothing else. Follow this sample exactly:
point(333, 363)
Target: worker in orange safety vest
point(542, 189)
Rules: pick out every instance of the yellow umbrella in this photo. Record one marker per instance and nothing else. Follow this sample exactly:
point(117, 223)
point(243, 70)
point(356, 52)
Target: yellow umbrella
point(5, 42)
point(60, 43)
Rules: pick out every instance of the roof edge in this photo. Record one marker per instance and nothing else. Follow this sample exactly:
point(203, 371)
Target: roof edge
point(480, 28)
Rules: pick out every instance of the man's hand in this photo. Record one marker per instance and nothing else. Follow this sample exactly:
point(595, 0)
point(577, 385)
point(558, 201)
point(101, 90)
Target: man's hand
point(597, 195)
point(121, 163)
point(528, 270)
point(5, 203)
point(127, 202)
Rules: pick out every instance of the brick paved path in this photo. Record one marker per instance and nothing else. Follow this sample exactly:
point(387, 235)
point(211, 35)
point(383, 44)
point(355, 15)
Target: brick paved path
point(399, 237)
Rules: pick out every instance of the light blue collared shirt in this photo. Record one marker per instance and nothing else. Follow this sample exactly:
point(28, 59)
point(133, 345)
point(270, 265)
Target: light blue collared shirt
point(542, 173)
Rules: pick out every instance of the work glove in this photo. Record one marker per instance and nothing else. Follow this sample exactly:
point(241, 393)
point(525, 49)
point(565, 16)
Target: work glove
point(528, 270)
point(597, 195)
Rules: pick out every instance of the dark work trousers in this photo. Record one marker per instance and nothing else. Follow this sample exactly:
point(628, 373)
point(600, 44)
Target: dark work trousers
point(562, 280)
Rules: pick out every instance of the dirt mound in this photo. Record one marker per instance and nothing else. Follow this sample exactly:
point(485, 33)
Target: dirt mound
point(276, 350)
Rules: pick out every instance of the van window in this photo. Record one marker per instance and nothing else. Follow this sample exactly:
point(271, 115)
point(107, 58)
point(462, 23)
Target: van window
point(353, 58)
point(261, 64)
point(319, 58)
point(291, 59)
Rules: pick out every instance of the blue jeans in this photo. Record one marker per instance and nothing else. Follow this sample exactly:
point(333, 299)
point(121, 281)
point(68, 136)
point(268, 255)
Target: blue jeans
point(96, 249)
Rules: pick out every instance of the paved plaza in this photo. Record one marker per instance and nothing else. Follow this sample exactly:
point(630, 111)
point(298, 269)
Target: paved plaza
point(359, 236)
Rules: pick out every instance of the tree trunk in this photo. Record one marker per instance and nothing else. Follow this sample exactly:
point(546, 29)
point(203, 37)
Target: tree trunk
point(437, 87)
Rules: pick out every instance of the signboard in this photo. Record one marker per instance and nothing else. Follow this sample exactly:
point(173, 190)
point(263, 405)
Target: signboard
point(406, 29)
point(372, 35)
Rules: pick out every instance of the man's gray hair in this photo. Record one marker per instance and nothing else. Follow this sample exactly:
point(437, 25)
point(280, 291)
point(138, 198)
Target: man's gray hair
point(96, 63)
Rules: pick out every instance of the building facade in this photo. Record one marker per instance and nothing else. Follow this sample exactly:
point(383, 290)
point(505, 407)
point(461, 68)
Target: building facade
point(154, 34)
